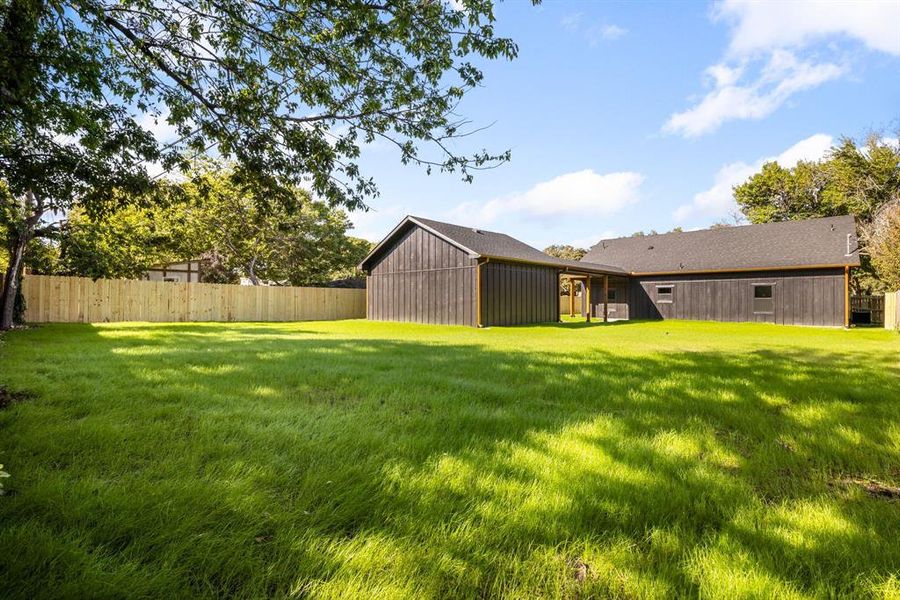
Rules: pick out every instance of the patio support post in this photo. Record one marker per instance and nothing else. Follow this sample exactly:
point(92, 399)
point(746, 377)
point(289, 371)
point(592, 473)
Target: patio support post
point(571, 297)
point(606, 298)
point(587, 295)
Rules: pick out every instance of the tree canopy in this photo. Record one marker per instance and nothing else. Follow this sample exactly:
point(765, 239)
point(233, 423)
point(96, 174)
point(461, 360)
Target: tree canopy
point(851, 180)
point(287, 91)
point(565, 251)
point(218, 222)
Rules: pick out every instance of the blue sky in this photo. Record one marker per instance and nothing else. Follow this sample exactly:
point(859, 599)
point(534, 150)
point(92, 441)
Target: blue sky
point(636, 116)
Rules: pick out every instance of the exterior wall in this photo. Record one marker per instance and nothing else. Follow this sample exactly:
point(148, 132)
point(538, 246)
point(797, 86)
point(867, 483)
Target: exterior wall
point(183, 272)
point(617, 309)
point(801, 297)
point(422, 279)
point(516, 294)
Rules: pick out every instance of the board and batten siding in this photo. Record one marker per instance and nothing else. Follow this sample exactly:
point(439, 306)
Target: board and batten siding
point(421, 278)
point(801, 297)
point(518, 294)
point(617, 309)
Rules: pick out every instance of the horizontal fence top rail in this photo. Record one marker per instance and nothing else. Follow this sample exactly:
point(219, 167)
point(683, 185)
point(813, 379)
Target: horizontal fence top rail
point(84, 300)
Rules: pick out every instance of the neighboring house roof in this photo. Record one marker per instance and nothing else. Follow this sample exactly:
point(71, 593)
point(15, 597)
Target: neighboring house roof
point(480, 243)
point(829, 241)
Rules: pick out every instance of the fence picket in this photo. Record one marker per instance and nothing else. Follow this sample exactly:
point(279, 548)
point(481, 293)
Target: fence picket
point(82, 300)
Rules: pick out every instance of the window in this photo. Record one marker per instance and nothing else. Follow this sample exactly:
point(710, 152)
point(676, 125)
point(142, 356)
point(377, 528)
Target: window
point(665, 293)
point(763, 298)
point(610, 295)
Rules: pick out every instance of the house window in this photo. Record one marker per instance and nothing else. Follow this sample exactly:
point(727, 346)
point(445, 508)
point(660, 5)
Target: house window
point(763, 298)
point(610, 295)
point(665, 293)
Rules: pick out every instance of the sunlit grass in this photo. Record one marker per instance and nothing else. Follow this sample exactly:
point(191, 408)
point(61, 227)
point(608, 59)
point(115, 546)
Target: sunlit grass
point(357, 459)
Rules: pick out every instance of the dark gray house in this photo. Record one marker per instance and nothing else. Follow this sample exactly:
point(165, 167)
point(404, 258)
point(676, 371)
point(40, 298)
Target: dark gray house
point(791, 273)
point(426, 271)
point(794, 272)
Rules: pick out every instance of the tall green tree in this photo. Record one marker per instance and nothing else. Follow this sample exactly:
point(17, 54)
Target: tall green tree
point(850, 180)
point(123, 245)
point(304, 242)
point(565, 251)
point(883, 238)
point(288, 90)
point(222, 222)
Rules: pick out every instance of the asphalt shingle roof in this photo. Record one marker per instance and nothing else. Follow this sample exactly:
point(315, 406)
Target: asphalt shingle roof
point(499, 245)
point(811, 242)
point(493, 244)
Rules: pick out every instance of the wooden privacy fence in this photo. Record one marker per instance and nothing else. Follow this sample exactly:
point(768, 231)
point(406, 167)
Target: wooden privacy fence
point(892, 310)
point(867, 309)
point(83, 300)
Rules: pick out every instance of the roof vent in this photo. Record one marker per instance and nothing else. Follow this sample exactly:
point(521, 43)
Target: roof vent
point(478, 231)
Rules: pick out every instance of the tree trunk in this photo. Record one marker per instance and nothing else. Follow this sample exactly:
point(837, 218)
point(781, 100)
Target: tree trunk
point(12, 282)
point(251, 272)
point(21, 236)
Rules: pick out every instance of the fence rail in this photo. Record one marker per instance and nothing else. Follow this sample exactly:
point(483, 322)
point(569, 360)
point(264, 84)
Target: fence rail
point(83, 300)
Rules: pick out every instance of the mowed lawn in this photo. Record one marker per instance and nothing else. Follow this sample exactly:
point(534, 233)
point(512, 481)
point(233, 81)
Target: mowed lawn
point(357, 459)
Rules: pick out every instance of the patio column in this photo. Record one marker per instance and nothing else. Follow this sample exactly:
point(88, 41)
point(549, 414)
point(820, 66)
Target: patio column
point(606, 298)
point(587, 295)
point(571, 297)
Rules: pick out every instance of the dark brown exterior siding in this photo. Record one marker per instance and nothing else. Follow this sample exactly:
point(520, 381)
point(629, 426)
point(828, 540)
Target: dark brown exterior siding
point(516, 294)
point(802, 297)
point(422, 279)
point(619, 308)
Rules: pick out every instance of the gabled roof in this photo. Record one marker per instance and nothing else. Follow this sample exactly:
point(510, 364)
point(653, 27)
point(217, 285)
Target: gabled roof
point(830, 241)
point(479, 243)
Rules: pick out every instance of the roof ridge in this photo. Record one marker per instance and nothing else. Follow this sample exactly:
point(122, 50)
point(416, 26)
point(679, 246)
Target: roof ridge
point(725, 228)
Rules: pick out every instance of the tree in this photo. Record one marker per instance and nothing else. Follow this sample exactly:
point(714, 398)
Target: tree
point(125, 244)
point(883, 240)
point(567, 252)
point(302, 243)
point(289, 91)
point(850, 180)
point(227, 227)
point(654, 232)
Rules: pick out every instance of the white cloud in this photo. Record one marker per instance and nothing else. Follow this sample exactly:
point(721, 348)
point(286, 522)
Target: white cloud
point(717, 201)
point(159, 126)
point(783, 76)
point(611, 32)
point(762, 26)
point(571, 21)
point(587, 242)
point(593, 33)
point(770, 55)
point(373, 224)
point(569, 193)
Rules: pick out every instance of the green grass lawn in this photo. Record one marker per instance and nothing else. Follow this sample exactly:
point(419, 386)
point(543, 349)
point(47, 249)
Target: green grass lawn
point(356, 459)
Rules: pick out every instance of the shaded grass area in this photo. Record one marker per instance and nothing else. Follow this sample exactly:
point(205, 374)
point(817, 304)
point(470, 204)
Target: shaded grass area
point(357, 459)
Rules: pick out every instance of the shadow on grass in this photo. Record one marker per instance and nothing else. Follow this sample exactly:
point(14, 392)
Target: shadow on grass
point(213, 461)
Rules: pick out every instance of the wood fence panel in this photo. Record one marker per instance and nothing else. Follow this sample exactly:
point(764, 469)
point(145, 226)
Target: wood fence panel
point(892, 310)
point(82, 300)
